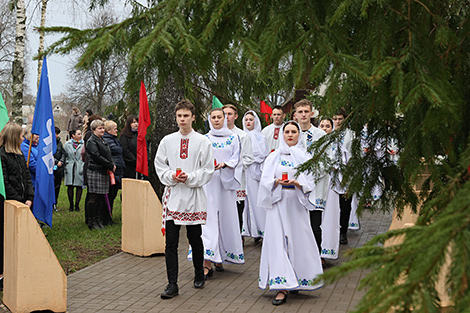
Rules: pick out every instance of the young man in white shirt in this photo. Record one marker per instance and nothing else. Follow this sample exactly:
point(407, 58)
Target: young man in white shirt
point(273, 131)
point(345, 200)
point(303, 114)
point(184, 164)
point(231, 112)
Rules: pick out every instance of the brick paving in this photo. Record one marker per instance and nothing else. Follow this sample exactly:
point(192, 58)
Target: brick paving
point(127, 283)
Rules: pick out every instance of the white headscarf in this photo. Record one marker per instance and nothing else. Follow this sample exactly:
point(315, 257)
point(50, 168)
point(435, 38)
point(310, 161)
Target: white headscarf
point(299, 155)
point(223, 132)
point(258, 140)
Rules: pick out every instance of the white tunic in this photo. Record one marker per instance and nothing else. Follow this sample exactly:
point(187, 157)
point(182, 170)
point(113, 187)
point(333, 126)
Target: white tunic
point(186, 204)
point(221, 234)
point(246, 160)
point(272, 133)
point(319, 195)
point(289, 257)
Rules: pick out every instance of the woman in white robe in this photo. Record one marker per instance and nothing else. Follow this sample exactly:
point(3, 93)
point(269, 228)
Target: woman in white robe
point(290, 259)
point(254, 217)
point(330, 221)
point(221, 233)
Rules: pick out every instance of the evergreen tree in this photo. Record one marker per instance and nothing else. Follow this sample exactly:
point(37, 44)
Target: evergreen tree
point(401, 67)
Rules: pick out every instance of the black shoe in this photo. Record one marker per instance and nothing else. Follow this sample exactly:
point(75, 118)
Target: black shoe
point(77, 208)
point(219, 268)
point(294, 292)
point(343, 239)
point(170, 291)
point(210, 273)
point(280, 301)
point(199, 284)
point(71, 209)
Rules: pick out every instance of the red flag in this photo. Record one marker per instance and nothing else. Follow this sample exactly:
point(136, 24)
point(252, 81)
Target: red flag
point(142, 165)
point(266, 110)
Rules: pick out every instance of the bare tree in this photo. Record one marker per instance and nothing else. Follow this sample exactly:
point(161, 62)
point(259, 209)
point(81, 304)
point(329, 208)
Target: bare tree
point(100, 84)
point(7, 48)
point(18, 63)
point(41, 37)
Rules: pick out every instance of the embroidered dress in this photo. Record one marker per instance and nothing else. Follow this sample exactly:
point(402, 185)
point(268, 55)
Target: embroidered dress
point(253, 216)
point(185, 203)
point(272, 133)
point(290, 259)
point(221, 233)
point(246, 159)
point(289, 256)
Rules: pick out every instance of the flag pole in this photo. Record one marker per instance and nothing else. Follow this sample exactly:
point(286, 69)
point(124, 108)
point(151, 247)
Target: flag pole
point(29, 149)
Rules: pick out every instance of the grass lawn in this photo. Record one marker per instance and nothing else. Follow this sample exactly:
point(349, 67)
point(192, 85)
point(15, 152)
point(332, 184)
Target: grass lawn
point(74, 244)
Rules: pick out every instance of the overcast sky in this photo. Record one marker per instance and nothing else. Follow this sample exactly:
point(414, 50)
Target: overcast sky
point(71, 13)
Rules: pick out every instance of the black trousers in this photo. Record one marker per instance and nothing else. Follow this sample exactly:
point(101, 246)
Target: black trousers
point(315, 223)
point(345, 212)
point(240, 208)
point(172, 234)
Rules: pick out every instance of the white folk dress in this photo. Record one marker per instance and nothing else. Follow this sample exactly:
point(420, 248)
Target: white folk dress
point(254, 217)
point(221, 234)
point(289, 257)
point(246, 159)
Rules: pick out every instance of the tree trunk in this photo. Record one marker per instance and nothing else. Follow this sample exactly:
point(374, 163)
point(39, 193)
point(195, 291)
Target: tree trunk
point(41, 37)
point(165, 123)
point(18, 63)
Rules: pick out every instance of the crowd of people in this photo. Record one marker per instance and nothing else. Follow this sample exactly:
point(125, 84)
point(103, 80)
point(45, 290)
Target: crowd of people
point(230, 184)
point(224, 186)
point(89, 158)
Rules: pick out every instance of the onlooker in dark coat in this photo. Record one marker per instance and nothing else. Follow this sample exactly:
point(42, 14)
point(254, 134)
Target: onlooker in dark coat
point(16, 176)
point(59, 162)
point(87, 136)
point(75, 120)
point(129, 145)
point(110, 136)
point(100, 163)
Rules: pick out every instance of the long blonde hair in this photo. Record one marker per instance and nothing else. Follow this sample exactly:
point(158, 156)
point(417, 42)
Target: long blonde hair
point(11, 138)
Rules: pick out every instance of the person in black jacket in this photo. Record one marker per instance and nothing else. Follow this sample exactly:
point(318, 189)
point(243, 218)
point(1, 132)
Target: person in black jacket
point(129, 145)
point(18, 185)
point(110, 136)
point(16, 177)
point(100, 163)
point(59, 161)
point(87, 136)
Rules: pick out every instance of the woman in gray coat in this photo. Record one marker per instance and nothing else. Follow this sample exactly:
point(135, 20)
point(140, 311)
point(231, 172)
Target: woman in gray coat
point(74, 168)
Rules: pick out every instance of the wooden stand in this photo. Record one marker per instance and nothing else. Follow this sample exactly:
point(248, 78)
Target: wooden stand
point(33, 277)
point(141, 219)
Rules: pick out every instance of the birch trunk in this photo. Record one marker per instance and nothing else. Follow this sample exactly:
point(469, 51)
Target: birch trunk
point(41, 37)
point(18, 63)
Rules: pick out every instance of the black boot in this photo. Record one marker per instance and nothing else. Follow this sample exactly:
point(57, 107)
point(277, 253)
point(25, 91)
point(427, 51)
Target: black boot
point(92, 216)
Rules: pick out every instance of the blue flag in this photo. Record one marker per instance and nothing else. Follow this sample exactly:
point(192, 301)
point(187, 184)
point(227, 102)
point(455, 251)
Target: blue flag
point(43, 125)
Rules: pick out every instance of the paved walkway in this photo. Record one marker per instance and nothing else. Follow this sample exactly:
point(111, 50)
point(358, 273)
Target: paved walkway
point(127, 283)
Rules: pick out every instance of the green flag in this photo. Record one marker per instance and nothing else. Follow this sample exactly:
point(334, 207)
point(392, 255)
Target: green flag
point(216, 103)
point(3, 122)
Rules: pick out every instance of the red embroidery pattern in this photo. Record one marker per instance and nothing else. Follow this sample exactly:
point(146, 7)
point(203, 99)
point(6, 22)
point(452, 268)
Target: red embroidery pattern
point(187, 217)
point(276, 133)
point(166, 196)
point(241, 193)
point(184, 148)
